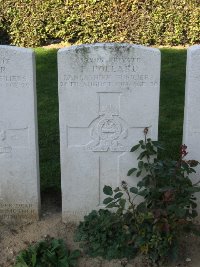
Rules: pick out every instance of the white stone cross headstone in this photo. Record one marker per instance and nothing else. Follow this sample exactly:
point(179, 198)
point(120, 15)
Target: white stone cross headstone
point(108, 94)
point(19, 168)
point(191, 128)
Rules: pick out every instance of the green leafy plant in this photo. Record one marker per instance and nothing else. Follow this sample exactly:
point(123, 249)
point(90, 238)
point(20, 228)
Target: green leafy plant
point(153, 226)
point(47, 253)
point(33, 23)
point(105, 234)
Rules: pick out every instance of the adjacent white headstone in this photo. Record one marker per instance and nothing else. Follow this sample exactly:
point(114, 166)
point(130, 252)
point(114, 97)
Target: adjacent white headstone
point(19, 169)
point(191, 128)
point(108, 94)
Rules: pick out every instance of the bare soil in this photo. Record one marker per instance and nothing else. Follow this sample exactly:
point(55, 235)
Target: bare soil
point(14, 238)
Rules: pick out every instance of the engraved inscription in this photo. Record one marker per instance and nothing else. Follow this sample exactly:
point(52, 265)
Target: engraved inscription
point(108, 74)
point(15, 205)
point(112, 59)
point(7, 80)
point(18, 217)
point(12, 81)
point(2, 69)
point(108, 132)
point(122, 80)
point(4, 147)
point(4, 60)
point(111, 68)
point(17, 211)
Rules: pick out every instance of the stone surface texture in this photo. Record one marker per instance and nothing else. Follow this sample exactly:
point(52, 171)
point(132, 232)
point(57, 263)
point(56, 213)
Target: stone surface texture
point(19, 168)
point(108, 94)
point(191, 128)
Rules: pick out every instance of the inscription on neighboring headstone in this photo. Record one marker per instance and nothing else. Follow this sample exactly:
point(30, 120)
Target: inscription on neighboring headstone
point(20, 212)
point(108, 94)
point(191, 128)
point(19, 178)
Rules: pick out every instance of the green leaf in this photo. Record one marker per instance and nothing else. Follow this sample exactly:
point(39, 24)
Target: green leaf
point(21, 259)
point(135, 148)
point(108, 190)
point(131, 171)
point(55, 244)
point(75, 254)
point(193, 163)
point(146, 166)
point(194, 213)
point(33, 258)
point(140, 164)
point(180, 212)
point(118, 195)
point(117, 189)
point(165, 188)
point(142, 193)
point(140, 184)
point(142, 155)
point(64, 262)
point(138, 173)
point(122, 202)
point(193, 204)
point(48, 252)
point(158, 144)
point(19, 264)
point(141, 207)
point(111, 205)
point(134, 190)
point(107, 200)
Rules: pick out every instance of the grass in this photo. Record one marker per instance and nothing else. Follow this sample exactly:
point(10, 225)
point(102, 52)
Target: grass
point(172, 94)
point(170, 119)
point(48, 122)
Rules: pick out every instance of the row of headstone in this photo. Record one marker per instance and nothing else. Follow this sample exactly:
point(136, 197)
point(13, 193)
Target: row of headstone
point(108, 94)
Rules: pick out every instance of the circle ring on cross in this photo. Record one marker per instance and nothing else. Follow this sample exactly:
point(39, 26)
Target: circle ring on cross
point(109, 129)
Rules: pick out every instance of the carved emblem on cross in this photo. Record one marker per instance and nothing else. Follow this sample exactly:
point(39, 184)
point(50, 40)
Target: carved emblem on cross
point(108, 131)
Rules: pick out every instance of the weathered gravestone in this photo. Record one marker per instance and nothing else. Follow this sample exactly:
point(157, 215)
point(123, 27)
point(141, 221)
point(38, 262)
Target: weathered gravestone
point(191, 128)
point(108, 93)
point(19, 170)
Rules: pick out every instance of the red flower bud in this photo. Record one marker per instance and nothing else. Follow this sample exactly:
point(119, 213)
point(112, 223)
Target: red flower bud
point(183, 151)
